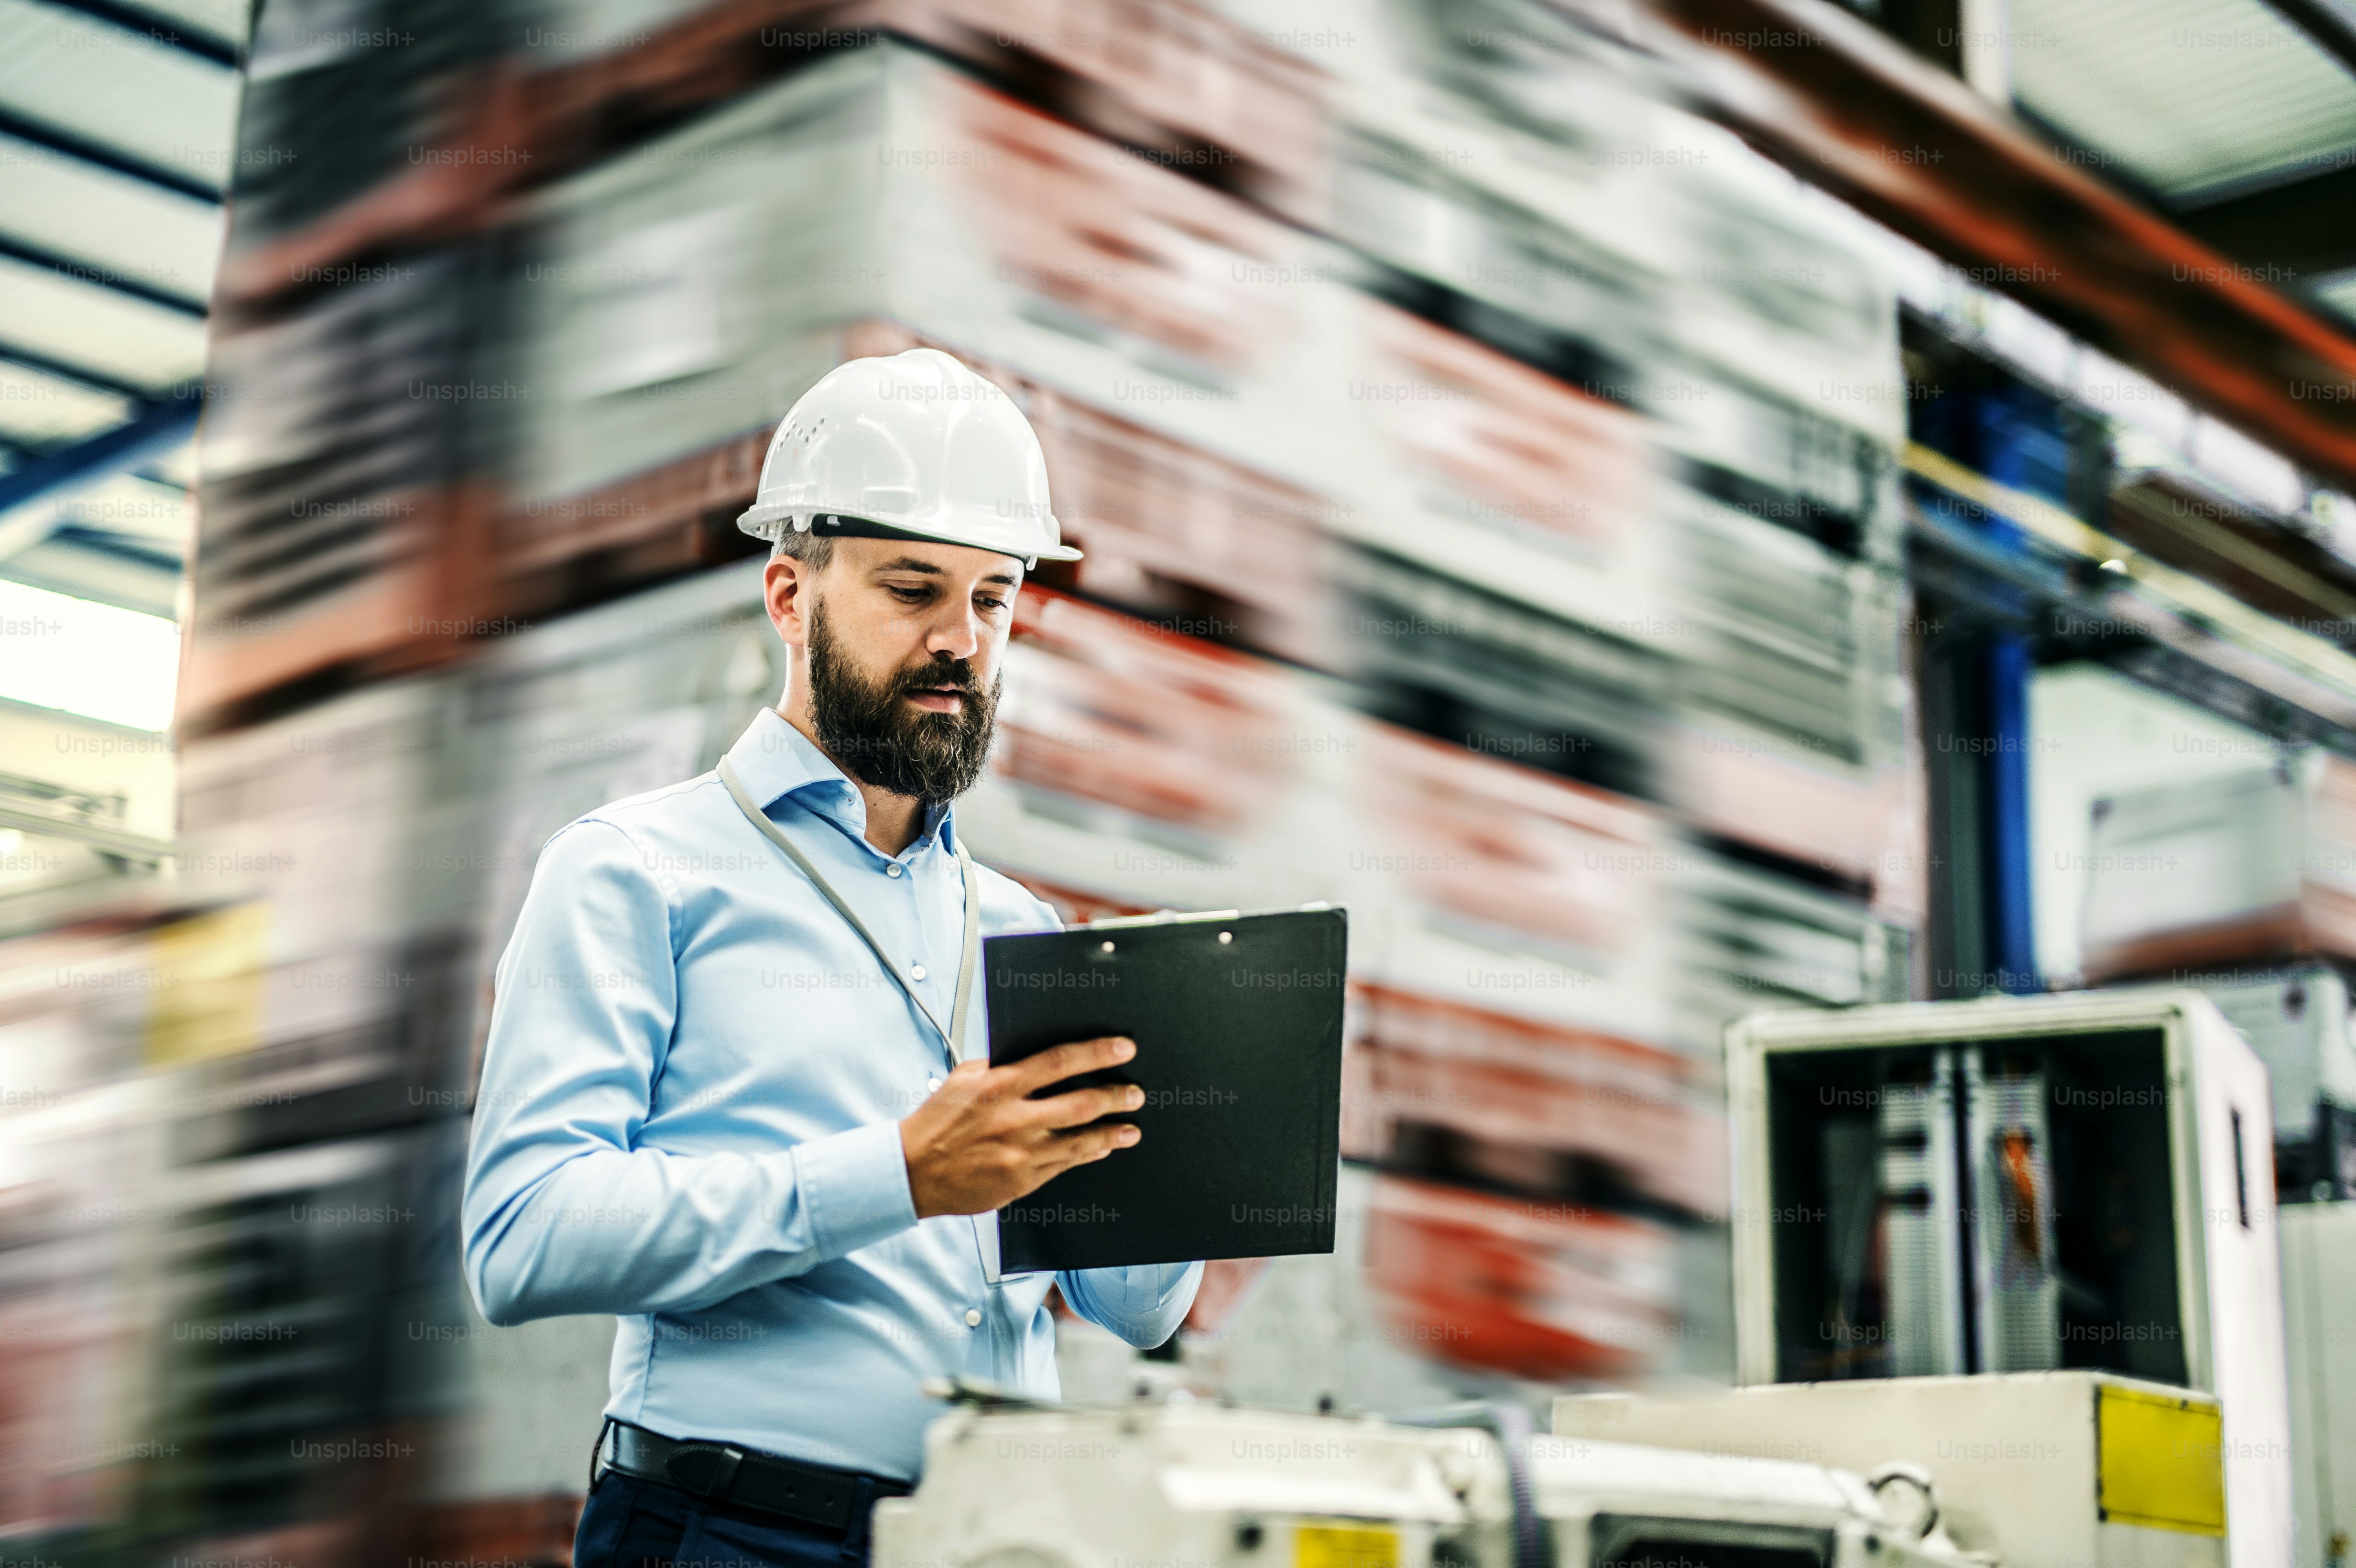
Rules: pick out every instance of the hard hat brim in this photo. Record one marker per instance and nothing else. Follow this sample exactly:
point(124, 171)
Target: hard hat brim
point(773, 522)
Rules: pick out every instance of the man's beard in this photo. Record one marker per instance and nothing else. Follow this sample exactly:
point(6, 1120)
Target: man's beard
point(887, 742)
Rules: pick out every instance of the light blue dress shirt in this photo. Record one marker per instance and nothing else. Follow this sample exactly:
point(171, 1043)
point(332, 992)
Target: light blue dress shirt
point(688, 1119)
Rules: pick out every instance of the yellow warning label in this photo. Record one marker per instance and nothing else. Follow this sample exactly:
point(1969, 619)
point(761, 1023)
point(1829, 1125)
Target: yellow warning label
point(2162, 1460)
point(1344, 1546)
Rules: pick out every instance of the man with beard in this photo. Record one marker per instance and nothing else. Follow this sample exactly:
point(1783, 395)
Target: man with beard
point(735, 1091)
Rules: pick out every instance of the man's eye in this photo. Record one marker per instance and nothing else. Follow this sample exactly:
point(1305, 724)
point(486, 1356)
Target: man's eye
point(910, 595)
point(989, 603)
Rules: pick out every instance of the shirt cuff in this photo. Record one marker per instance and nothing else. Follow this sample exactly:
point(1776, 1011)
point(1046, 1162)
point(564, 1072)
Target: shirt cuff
point(856, 1188)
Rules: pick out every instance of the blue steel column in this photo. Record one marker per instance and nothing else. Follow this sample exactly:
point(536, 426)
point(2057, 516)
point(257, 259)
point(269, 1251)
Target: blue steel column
point(2009, 871)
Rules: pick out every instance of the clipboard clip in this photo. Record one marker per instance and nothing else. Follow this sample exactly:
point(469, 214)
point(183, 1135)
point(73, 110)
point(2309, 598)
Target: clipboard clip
point(1178, 917)
point(1158, 917)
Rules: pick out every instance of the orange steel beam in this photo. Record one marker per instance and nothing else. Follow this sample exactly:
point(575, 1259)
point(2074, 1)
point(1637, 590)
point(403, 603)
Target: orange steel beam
point(1847, 108)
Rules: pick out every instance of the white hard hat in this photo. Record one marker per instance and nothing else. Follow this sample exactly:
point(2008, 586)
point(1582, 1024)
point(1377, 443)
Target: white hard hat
point(912, 445)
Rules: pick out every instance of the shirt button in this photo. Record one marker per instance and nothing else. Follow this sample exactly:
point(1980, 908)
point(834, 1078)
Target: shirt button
point(893, 869)
point(915, 971)
point(932, 1082)
point(972, 1318)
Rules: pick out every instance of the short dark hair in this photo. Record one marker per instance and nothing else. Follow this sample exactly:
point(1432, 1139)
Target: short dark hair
point(812, 548)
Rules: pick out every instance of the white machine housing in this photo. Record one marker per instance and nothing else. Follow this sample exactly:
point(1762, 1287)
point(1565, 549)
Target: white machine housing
point(2044, 1469)
point(2319, 1281)
point(1073, 1486)
point(2227, 1268)
point(2299, 1024)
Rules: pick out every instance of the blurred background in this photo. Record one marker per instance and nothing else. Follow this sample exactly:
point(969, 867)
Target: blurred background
point(1663, 507)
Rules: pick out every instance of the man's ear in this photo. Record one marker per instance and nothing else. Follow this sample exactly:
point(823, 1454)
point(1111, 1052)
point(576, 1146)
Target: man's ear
point(786, 588)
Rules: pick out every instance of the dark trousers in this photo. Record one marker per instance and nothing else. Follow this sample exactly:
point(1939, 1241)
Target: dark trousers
point(634, 1523)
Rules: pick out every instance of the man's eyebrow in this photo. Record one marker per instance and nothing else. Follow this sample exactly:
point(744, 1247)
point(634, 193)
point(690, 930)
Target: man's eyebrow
point(911, 563)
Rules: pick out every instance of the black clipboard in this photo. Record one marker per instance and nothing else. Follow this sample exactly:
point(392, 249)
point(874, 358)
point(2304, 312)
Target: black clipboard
point(1238, 1019)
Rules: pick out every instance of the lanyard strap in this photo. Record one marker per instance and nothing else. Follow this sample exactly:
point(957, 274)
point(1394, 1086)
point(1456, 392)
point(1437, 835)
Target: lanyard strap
point(776, 835)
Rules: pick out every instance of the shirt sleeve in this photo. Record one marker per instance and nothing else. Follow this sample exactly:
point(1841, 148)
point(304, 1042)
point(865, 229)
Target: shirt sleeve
point(563, 1214)
point(1143, 1304)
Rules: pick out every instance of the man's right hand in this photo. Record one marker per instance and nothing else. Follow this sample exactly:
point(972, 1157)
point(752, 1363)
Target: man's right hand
point(980, 1141)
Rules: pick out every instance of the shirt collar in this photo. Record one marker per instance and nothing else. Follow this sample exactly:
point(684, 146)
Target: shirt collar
point(775, 760)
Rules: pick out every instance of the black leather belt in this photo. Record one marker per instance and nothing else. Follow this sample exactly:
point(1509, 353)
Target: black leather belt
point(729, 1475)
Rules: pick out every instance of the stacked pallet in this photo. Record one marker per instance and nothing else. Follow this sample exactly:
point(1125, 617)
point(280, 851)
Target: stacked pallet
point(1488, 527)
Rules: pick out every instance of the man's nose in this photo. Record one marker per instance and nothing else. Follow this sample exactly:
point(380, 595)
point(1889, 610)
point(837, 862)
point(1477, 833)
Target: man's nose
point(955, 637)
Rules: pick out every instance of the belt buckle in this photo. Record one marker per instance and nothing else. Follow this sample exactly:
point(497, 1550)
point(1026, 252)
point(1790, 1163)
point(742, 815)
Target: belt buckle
point(705, 1470)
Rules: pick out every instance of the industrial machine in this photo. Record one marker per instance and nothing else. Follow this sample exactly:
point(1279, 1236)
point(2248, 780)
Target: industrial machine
point(2296, 1019)
point(2061, 1470)
point(1162, 1482)
point(2319, 1276)
point(2018, 1185)
point(2006, 1288)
